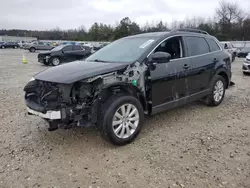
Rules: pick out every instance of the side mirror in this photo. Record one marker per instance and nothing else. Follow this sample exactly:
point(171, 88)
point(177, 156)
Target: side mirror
point(160, 57)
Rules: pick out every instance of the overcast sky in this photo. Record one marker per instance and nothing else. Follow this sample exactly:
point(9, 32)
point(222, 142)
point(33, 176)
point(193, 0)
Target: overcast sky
point(69, 14)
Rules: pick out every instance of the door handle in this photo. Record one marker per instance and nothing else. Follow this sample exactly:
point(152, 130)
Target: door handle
point(186, 66)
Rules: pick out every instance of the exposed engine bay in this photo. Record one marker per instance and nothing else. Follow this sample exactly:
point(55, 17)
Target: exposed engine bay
point(79, 102)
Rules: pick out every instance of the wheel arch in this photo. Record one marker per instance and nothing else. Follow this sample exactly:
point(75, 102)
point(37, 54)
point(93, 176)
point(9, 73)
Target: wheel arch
point(124, 88)
point(225, 75)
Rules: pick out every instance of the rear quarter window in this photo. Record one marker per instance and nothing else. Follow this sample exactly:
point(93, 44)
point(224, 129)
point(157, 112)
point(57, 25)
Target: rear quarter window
point(213, 45)
point(197, 46)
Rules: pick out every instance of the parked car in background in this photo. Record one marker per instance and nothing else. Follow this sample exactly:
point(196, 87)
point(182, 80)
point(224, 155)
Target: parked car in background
point(228, 46)
point(9, 45)
point(33, 46)
point(72, 43)
point(95, 48)
point(246, 65)
point(135, 76)
point(244, 52)
point(63, 53)
point(20, 43)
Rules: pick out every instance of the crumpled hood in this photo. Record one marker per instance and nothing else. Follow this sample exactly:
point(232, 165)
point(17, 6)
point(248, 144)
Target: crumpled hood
point(77, 70)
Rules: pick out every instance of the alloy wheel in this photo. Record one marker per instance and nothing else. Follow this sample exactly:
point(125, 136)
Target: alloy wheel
point(125, 121)
point(218, 91)
point(56, 61)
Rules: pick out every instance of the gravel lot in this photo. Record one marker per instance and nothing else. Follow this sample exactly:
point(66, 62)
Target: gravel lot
point(192, 146)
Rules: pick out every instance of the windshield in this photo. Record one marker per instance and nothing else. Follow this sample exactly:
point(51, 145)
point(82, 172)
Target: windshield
point(58, 48)
point(123, 50)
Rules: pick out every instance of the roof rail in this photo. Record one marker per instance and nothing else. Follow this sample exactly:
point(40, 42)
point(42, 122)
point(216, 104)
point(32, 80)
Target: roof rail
point(190, 30)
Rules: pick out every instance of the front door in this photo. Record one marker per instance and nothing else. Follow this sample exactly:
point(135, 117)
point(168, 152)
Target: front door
point(68, 53)
point(170, 80)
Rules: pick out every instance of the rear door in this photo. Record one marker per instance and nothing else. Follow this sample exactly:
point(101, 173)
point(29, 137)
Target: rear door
point(78, 52)
point(203, 60)
point(40, 46)
point(47, 46)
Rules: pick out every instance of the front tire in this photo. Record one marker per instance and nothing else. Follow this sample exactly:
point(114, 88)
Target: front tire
point(2, 47)
point(121, 118)
point(217, 91)
point(55, 61)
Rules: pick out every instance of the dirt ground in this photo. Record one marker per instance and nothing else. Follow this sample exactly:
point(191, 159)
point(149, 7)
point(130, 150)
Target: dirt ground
point(192, 146)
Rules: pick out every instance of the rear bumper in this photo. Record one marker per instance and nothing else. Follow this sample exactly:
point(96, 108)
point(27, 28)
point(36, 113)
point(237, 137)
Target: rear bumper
point(51, 115)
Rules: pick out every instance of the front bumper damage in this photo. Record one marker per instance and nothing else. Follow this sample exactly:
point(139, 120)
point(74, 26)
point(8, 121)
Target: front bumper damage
point(51, 115)
point(43, 59)
point(57, 104)
point(78, 103)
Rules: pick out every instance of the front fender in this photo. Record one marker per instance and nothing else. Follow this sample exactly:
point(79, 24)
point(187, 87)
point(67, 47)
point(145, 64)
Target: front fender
point(127, 88)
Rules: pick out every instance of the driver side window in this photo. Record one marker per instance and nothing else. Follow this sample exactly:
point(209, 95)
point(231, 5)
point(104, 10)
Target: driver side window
point(173, 46)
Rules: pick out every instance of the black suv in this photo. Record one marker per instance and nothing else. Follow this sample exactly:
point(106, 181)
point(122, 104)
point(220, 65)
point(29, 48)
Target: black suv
point(63, 53)
point(135, 76)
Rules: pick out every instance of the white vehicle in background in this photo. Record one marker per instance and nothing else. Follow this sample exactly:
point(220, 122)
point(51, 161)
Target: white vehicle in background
point(228, 46)
point(246, 65)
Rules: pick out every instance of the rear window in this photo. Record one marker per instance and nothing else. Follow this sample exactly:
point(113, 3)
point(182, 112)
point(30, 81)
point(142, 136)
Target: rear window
point(213, 45)
point(197, 46)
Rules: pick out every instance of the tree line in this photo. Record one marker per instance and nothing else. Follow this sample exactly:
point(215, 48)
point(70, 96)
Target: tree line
point(229, 23)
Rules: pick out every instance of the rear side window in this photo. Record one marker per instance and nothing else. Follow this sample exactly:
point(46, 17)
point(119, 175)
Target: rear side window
point(77, 48)
point(67, 48)
point(213, 45)
point(197, 46)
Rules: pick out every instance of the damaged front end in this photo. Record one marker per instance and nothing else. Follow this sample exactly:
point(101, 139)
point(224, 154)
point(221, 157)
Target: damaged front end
point(78, 103)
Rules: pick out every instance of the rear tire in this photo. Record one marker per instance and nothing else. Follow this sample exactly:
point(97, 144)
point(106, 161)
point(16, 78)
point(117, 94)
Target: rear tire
point(32, 49)
point(121, 118)
point(2, 47)
point(217, 91)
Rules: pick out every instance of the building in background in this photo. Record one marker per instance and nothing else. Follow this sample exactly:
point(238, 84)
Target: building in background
point(5, 38)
